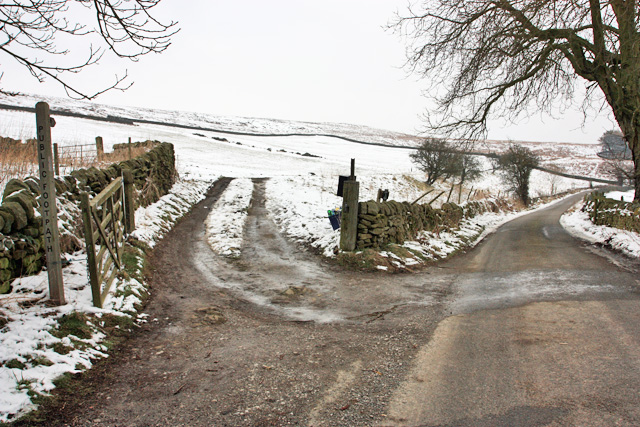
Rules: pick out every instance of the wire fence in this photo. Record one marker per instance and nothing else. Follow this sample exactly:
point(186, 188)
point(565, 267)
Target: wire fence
point(76, 156)
point(18, 159)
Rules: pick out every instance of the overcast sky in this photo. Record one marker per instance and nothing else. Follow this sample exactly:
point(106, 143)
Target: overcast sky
point(329, 61)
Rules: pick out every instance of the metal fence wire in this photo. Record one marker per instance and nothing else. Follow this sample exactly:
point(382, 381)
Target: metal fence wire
point(71, 155)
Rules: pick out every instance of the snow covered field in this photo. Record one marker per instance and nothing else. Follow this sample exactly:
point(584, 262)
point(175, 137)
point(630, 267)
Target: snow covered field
point(303, 176)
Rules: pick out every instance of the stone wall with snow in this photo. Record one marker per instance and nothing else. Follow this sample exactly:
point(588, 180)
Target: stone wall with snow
point(612, 213)
point(396, 222)
point(21, 240)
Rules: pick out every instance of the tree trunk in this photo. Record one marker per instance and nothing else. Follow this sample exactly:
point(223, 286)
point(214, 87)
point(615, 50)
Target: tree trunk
point(636, 170)
point(631, 129)
point(619, 81)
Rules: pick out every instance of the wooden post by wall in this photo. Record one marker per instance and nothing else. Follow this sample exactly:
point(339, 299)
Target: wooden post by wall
point(425, 194)
point(349, 220)
point(130, 151)
point(48, 204)
point(99, 148)
point(56, 159)
point(129, 203)
point(436, 198)
point(450, 191)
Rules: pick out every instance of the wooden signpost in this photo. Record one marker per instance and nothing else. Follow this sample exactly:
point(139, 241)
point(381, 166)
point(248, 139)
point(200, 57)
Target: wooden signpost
point(48, 204)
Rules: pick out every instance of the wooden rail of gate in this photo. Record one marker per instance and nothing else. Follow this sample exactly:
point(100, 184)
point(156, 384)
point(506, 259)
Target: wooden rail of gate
point(104, 229)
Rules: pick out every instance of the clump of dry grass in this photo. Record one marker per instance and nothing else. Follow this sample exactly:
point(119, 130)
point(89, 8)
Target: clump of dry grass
point(122, 155)
point(19, 160)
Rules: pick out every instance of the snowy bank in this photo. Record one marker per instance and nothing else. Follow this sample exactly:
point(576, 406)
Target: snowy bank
point(39, 343)
point(578, 224)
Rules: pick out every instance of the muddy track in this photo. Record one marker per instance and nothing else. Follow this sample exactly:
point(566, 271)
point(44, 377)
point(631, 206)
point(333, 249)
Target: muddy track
point(229, 343)
point(504, 335)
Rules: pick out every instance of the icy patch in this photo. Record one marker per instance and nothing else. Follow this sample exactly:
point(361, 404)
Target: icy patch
point(481, 291)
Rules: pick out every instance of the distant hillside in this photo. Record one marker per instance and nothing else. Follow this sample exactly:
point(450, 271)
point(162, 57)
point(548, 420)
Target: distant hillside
point(209, 121)
point(575, 158)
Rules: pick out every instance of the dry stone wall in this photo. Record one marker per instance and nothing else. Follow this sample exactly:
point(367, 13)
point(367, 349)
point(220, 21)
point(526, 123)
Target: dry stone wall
point(612, 213)
point(396, 222)
point(21, 240)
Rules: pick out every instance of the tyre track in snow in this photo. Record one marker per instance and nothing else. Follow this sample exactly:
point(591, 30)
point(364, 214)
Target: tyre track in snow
point(211, 354)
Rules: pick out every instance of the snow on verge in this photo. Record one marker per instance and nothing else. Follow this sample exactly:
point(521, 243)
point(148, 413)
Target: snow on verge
point(434, 246)
point(155, 220)
point(32, 354)
point(578, 224)
point(225, 223)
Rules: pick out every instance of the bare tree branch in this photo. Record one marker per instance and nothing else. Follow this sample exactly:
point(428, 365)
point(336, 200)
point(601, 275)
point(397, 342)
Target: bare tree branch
point(487, 59)
point(31, 32)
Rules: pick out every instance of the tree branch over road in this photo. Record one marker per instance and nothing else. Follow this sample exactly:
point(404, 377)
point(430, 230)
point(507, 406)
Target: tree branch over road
point(510, 58)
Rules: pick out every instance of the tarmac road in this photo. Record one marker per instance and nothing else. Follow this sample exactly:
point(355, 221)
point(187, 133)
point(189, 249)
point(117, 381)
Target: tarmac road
point(530, 328)
point(545, 332)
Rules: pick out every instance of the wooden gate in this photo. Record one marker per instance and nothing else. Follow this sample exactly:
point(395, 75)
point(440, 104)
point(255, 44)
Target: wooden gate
point(104, 230)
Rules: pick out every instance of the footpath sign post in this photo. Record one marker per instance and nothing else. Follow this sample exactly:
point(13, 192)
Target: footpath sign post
point(48, 204)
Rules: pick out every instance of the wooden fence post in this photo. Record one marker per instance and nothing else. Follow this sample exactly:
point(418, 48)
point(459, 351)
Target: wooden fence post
point(129, 208)
point(450, 191)
point(99, 148)
point(436, 198)
point(56, 159)
point(94, 280)
point(130, 150)
point(425, 194)
point(48, 204)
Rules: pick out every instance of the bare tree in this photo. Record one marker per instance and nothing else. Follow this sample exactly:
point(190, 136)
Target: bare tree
point(437, 158)
point(516, 165)
point(32, 31)
point(469, 168)
point(509, 57)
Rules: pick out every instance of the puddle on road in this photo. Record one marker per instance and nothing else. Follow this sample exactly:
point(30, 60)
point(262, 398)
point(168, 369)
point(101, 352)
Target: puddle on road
point(263, 288)
point(482, 291)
